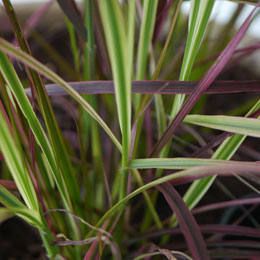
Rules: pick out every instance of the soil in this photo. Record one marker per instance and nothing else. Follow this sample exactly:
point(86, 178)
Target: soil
point(19, 241)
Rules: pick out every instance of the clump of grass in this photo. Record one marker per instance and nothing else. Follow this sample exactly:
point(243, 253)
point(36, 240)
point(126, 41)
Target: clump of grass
point(98, 198)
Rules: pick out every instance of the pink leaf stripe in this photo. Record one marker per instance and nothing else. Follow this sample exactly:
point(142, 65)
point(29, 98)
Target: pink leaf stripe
point(209, 229)
point(188, 225)
point(225, 204)
point(203, 85)
point(155, 87)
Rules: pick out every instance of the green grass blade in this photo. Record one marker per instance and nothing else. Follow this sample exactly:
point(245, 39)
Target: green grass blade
point(195, 171)
point(239, 125)
point(5, 214)
point(17, 88)
point(176, 163)
point(11, 151)
point(198, 20)
point(17, 207)
point(88, 124)
point(61, 165)
point(33, 63)
point(117, 42)
point(145, 37)
point(73, 45)
point(114, 27)
point(200, 13)
point(224, 152)
point(9, 200)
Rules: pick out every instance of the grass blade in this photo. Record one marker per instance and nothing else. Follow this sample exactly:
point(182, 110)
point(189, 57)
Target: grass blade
point(69, 8)
point(239, 125)
point(225, 151)
point(177, 163)
point(203, 85)
point(114, 27)
point(186, 176)
point(118, 42)
point(145, 37)
point(198, 20)
point(161, 87)
point(33, 63)
point(225, 204)
point(16, 165)
point(187, 222)
point(17, 88)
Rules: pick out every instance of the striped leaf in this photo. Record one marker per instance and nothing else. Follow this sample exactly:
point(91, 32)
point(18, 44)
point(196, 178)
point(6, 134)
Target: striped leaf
point(238, 125)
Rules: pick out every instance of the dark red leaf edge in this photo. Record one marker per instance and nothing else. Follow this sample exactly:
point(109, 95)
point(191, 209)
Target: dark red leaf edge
point(235, 254)
point(188, 225)
point(155, 87)
point(69, 9)
point(233, 230)
point(225, 204)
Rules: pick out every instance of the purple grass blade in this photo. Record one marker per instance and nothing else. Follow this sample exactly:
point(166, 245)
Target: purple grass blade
point(242, 231)
point(207, 80)
point(213, 143)
point(70, 10)
point(91, 250)
point(155, 87)
point(235, 243)
point(235, 254)
point(9, 185)
point(149, 135)
point(225, 204)
point(101, 51)
point(187, 222)
point(77, 242)
point(161, 16)
point(245, 51)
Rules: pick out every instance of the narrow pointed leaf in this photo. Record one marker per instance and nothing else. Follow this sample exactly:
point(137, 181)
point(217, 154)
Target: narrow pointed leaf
point(187, 176)
point(200, 12)
point(16, 207)
point(207, 80)
point(188, 225)
point(178, 163)
point(116, 39)
point(17, 88)
point(34, 64)
point(146, 33)
point(225, 152)
point(11, 151)
point(68, 7)
point(239, 125)
point(219, 205)
point(155, 87)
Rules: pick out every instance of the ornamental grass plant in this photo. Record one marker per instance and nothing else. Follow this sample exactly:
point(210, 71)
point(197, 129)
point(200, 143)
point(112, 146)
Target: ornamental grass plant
point(113, 150)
